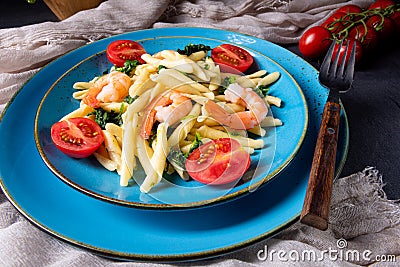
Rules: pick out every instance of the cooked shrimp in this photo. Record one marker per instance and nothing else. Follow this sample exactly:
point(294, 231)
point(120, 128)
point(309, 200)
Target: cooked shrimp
point(168, 108)
point(111, 87)
point(243, 120)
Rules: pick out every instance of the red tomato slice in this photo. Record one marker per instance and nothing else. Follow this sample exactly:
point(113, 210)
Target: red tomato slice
point(122, 50)
point(217, 162)
point(232, 56)
point(77, 137)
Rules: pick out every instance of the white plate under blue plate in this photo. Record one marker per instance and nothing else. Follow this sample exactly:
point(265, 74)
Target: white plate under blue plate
point(150, 235)
point(87, 175)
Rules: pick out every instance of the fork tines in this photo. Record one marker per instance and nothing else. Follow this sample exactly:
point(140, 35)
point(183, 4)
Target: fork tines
point(331, 61)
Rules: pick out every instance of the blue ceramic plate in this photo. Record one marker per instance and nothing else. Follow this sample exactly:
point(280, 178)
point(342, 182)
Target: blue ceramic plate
point(140, 234)
point(87, 175)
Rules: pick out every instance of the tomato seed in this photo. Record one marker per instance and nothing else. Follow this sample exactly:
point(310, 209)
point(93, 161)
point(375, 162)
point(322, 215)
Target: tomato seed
point(70, 139)
point(201, 160)
point(229, 59)
point(86, 130)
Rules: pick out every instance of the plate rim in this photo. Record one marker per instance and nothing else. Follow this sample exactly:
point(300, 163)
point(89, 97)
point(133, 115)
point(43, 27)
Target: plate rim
point(186, 205)
point(203, 255)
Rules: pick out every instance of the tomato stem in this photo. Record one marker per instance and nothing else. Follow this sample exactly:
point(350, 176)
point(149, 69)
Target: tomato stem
point(347, 21)
point(380, 26)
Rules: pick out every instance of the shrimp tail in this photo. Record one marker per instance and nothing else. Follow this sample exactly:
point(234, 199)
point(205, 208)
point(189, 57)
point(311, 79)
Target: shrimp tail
point(149, 116)
point(168, 108)
point(215, 111)
point(109, 87)
point(148, 122)
point(90, 98)
point(238, 121)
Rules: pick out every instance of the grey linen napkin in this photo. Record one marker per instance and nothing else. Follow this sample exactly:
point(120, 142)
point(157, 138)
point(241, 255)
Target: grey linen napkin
point(364, 224)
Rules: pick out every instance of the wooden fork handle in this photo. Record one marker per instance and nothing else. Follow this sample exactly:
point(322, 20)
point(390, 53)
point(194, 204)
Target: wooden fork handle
point(315, 210)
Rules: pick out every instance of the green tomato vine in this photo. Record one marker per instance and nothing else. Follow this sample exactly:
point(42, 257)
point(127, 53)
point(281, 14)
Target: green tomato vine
point(351, 20)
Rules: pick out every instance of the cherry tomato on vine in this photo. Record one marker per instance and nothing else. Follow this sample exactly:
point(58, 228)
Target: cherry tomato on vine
point(232, 56)
point(220, 161)
point(122, 50)
point(383, 26)
point(350, 8)
point(366, 35)
point(77, 137)
point(395, 17)
point(341, 51)
point(381, 4)
point(334, 23)
point(315, 42)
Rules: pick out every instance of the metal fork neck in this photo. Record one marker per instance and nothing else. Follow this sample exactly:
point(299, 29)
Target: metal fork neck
point(333, 96)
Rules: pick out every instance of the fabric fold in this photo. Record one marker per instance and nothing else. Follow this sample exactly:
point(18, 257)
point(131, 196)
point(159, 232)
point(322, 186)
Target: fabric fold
point(30, 47)
point(25, 46)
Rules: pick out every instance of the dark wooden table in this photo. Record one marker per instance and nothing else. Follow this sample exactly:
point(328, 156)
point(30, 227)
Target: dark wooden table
point(372, 106)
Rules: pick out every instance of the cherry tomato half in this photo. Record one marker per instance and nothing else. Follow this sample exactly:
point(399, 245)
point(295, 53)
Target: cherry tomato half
point(122, 50)
point(77, 137)
point(315, 42)
point(217, 162)
point(232, 56)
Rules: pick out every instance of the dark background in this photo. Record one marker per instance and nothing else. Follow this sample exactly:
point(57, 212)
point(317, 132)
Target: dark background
point(372, 106)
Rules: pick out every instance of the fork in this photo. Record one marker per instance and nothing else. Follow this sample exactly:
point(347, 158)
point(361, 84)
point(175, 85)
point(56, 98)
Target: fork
point(337, 77)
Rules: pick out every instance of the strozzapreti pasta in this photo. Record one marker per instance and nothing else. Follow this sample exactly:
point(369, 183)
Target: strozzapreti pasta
point(161, 110)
